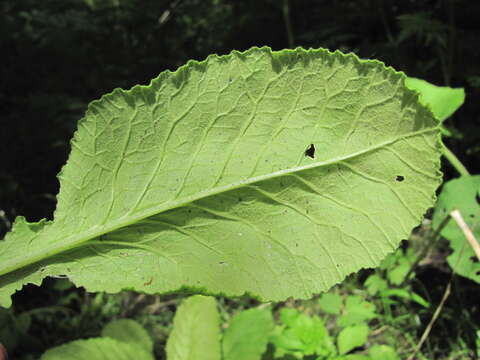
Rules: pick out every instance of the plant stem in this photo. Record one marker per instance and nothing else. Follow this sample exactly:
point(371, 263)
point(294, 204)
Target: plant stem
point(450, 156)
point(288, 23)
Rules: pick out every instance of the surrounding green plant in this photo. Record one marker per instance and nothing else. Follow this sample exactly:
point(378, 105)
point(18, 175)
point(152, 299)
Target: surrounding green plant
point(300, 335)
point(196, 335)
point(462, 193)
point(390, 280)
point(121, 339)
point(340, 327)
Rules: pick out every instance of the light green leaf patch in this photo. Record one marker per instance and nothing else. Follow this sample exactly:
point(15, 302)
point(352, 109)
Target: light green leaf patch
point(463, 194)
point(357, 311)
point(247, 336)
point(196, 331)
point(98, 349)
point(352, 337)
point(382, 352)
point(128, 331)
point(301, 335)
point(121, 339)
point(331, 303)
point(202, 180)
point(442, 100)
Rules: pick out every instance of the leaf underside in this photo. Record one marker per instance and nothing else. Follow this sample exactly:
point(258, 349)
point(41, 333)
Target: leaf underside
point(270, 173)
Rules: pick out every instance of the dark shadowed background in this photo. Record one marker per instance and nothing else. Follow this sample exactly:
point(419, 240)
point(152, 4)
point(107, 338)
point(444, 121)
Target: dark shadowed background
point(59, 55)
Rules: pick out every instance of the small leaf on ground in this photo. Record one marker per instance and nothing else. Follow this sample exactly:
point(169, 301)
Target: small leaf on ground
point(382, 352)
point(196, 331)
point(375, 283)
point(130, 331)
point(331, 303)
point(304, 335)
point(356, 311)
point(247, 336)
point(97, 349)
point(352, 337)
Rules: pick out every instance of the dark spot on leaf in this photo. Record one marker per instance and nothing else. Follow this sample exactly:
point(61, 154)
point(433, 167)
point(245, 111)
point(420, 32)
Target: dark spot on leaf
point(477, 273)
point(240, 199)
point(477, 198)
point(399, 178)
point(472, 216)
point(474, 259)
point(148, 282)
point(310, 152)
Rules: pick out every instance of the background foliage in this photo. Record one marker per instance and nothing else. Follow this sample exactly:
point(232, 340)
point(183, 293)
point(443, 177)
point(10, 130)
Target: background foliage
point(57, 56)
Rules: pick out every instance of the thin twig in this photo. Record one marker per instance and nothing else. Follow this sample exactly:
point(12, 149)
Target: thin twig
point(457, 216)
point(432, 320)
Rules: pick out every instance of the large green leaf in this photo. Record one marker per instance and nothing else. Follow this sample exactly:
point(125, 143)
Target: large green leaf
point(270, 173)
point(463, 194)
point(196, 331)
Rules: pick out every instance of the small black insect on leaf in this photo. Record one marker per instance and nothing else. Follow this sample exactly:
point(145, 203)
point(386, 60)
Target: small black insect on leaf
point(310, 152)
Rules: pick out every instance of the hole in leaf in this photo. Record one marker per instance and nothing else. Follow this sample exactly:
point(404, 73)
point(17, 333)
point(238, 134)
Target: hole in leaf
point(400, 178)
point(310, 152)
point(474, 259)
point(477, 198)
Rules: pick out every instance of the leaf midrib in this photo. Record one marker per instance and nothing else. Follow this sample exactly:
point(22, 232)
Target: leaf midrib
point(75, 241)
